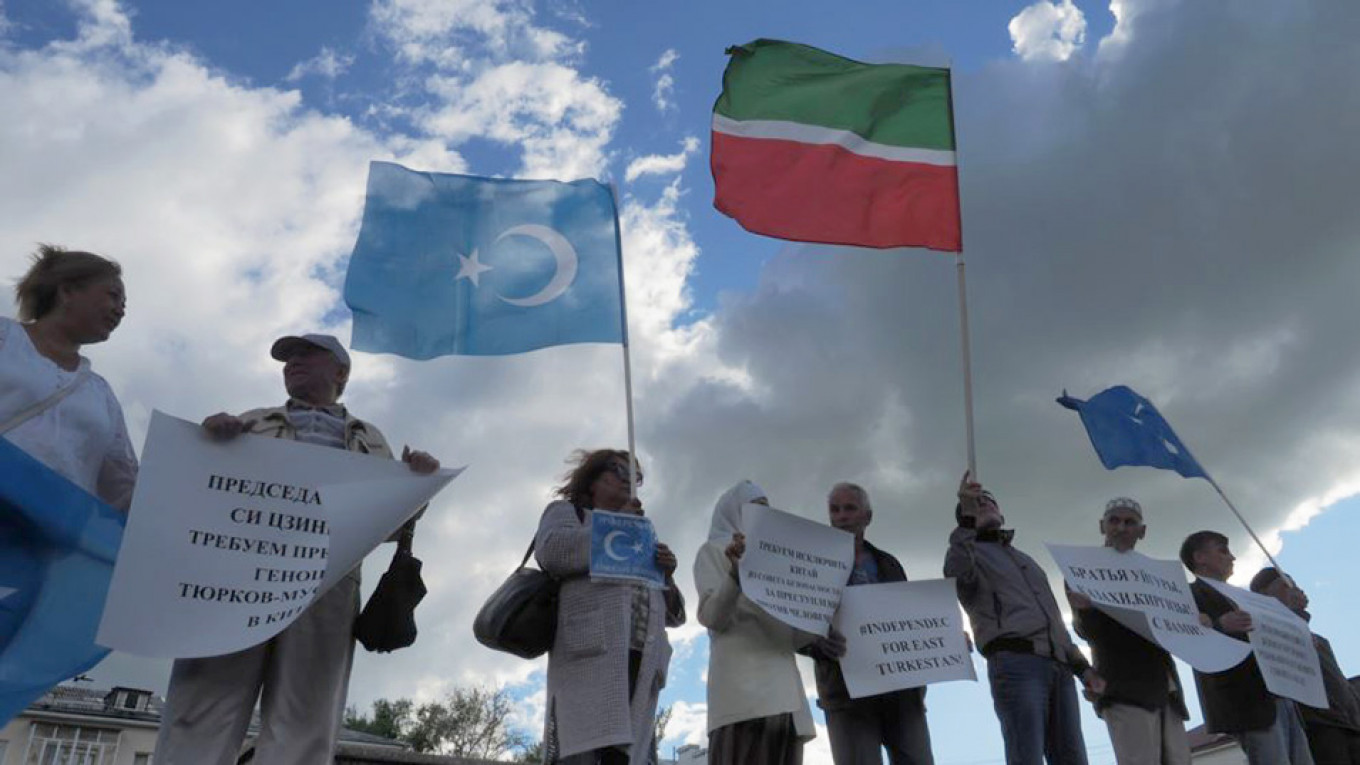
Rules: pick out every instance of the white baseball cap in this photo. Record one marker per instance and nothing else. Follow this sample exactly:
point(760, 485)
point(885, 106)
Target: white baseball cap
point(287, 346)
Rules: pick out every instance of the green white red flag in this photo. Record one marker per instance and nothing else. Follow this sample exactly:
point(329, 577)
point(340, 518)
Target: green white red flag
point(814, 147)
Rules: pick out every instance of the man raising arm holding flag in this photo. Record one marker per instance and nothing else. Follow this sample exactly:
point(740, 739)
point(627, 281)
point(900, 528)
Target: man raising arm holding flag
point(1018, 627)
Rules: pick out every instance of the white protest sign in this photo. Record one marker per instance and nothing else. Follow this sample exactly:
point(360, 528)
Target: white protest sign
point(902, 635)
point(794, 568)
point(228, 542)
point(1283, 645)
point(1151, 598)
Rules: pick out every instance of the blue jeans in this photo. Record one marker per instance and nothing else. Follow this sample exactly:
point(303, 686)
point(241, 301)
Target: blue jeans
point(1036, 702)
point(1283, 743)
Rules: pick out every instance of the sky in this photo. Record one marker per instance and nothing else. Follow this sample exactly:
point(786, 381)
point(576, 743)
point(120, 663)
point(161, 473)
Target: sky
point(1156, 193)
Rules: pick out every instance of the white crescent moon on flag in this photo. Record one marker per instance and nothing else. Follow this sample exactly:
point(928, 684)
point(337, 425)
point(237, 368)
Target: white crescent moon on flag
point(564, 256)
point(609, 545)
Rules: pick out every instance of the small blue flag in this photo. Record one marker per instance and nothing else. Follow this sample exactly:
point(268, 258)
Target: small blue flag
point(454, 264)
point(57, 548)
point(1126, 429)
point(623, 546)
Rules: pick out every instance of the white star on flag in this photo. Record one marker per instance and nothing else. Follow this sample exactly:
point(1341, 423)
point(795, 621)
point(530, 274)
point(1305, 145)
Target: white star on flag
point(471, 268)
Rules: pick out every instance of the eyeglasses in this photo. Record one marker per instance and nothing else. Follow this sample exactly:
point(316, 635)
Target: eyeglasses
point(620, 471)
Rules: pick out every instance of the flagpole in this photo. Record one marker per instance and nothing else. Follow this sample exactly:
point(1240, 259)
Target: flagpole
point(966, 349)
point(965, 342)
point(628, 394)
point(627, 354)
point(1243, 521)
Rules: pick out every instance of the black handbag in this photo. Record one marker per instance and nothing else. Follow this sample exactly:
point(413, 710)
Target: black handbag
point(388, 621)
point(520, 617)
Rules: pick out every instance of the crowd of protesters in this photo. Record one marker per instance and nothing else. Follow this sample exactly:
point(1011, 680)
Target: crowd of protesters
point(609, 660)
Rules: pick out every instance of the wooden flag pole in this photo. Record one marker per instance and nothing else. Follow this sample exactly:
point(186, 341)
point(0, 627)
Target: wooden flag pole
point(627, 355)
point(628, 394)
point(967, 370)
point(965, 342)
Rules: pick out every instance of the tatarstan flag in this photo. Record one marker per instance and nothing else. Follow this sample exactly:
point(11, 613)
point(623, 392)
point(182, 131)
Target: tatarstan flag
point(813, 147)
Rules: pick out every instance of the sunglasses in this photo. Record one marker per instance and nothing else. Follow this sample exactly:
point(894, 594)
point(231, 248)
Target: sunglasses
point(620, 471)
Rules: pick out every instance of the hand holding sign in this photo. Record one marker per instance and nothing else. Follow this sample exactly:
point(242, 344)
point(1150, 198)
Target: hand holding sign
point(623, 547)
point(231, 537)
point(1282, 643)
point(902, 635)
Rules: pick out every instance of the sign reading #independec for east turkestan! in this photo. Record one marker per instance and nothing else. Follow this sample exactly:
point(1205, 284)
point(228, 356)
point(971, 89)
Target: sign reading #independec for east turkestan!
point(902, 635)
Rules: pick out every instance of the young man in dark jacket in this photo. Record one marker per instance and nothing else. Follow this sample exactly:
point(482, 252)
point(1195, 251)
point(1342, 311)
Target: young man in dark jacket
point(1143, 705)
point(861, 728)
point(1236, 701)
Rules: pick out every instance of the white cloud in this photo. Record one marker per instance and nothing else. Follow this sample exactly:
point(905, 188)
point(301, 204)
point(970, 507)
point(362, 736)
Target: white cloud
point(489, 70)
point(1048, 31)
point(663, 90)
point(443, 32)
point(662, 164)
point(1126, 13)
point(688, 724)
point(327, 64)
point(561, 120)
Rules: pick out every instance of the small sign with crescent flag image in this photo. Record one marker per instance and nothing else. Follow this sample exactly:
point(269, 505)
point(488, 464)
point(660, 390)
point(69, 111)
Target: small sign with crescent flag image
point(623, 547)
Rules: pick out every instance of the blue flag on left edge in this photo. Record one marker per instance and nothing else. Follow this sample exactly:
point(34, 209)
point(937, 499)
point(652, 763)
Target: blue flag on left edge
point(1126, 429)
point(57, 548)
point(455, 264)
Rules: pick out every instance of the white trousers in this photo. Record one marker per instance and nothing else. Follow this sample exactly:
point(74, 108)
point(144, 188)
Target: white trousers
point(300, 676)
point(1143, 737)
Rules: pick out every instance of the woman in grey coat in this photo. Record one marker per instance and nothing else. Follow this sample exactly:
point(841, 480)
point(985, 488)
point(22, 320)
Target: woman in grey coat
point(608, 663)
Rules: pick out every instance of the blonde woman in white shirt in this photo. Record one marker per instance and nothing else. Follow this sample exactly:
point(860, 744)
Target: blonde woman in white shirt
point(51, 404)
point(757, 709)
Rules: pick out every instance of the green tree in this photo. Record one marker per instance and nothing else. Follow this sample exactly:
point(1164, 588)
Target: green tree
point(470, 722)
point(390, 719)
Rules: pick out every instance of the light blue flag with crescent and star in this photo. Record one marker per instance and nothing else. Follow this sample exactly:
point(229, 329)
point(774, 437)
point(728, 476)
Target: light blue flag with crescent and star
point(456, 264)
point(623, 547)
point(58, 544)
point(1126, 429)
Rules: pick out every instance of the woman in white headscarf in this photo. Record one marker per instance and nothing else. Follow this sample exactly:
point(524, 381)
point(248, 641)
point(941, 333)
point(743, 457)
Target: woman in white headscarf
point(757, 709)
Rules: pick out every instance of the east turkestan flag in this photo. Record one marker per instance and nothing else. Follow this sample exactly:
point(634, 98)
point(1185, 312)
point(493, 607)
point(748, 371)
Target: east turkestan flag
point(1126, 429)
point(814, 147)
point(456, 264)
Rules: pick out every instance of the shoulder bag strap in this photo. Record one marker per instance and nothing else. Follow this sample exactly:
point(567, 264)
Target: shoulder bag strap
point(38, 407)
point(580, 518)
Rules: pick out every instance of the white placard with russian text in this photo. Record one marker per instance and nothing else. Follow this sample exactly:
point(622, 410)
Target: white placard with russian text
point(902, 635)
point(227, 542)
point(794, 568)
point(1283, 645)
point(1151, 598)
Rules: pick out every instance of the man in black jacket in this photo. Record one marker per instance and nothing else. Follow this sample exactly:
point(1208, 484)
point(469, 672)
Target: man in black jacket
point(1236, 701)
point(1143, 705)
point(861, 728)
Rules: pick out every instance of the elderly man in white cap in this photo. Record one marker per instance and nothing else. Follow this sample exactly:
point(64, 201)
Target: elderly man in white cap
point(1143, 705)
point(301, 675)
